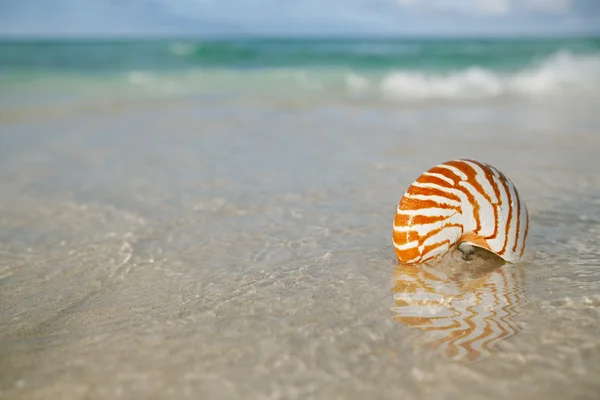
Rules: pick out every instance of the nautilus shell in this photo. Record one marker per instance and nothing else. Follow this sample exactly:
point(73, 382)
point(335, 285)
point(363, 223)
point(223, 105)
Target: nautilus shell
point(457, 203)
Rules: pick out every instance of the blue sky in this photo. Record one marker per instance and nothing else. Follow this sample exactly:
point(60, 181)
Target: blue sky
point(300, 17)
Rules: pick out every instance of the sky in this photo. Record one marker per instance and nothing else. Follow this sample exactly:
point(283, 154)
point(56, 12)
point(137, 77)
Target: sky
point(43, 18)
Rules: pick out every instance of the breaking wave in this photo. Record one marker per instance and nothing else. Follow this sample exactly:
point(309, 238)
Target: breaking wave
point(560, 74)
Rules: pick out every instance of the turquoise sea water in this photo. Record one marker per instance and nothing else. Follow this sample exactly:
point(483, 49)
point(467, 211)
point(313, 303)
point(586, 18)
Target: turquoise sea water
point(388, 69)
point(373, 54)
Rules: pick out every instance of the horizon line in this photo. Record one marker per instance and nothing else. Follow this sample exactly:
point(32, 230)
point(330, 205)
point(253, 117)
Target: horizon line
point(297, 36)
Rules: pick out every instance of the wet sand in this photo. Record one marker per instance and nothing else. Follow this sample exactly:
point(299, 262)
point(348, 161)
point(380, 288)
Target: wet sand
point(221, 250)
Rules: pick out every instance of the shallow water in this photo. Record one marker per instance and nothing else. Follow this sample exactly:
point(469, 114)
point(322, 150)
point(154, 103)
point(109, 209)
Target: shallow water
point(185, 248)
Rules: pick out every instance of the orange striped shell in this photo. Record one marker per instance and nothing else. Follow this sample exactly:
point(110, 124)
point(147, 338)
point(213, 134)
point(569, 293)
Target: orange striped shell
point(460, 201)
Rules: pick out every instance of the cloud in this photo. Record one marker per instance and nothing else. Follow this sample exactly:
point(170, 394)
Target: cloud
point(487, 7)
point(407, 3)
point(466, 7)
point(553, 6)
point(494, 7)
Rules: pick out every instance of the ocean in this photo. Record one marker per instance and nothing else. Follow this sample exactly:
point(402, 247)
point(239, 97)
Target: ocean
point(392, 70)
point(213, 218)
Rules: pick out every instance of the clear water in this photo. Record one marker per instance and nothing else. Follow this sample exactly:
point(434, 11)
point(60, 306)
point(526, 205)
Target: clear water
point(235, 243)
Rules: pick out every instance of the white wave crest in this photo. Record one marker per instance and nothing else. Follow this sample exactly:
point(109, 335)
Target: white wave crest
point(140, 78)
point(356, 83)
point(181, 49)
point(151, 82)
point(561, 74)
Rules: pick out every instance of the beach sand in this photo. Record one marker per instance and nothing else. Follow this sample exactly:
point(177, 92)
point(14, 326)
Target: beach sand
point(188, 248)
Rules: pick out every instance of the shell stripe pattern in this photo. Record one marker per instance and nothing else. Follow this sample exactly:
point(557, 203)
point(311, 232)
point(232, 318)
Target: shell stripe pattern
point(456, 201)
point(465, 324)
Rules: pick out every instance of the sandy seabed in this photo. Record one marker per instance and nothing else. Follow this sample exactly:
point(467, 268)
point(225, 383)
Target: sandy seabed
point(224, 250)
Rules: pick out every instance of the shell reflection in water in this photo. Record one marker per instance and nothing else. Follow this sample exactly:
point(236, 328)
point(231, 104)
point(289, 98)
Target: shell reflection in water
point(462, 319)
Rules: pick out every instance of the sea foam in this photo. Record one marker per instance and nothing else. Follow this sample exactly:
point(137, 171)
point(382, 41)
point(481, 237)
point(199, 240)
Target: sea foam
point(561, 74)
